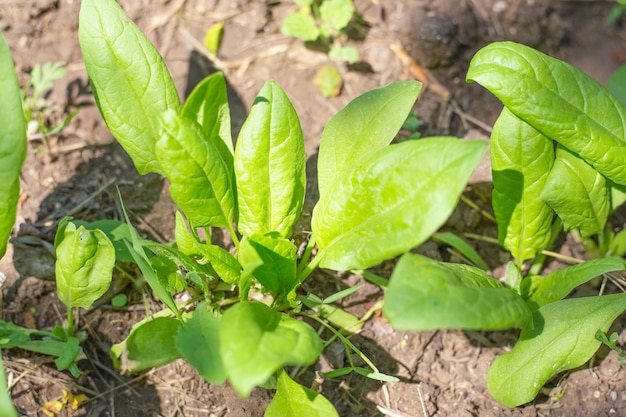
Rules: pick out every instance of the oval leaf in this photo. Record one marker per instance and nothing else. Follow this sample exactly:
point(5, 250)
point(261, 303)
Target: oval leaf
point(558, 100)
point(294, 400)
point(563, 338)
point(424, 294)
point(521, 159)
point(200, 180)
point(256, 341)
point(151, 344)
point(270, 166)
point(129, 79)
point(300, 25)
point(84, 266)
point(12, 143)
point(366, 125)
point(392, 202)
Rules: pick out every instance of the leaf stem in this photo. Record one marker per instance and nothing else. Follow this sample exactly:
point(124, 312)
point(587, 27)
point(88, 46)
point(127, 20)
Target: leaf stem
point(307, 254)
point(310, 267)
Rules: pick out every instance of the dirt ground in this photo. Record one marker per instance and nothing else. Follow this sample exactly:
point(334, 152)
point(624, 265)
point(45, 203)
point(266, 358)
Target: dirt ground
point(442, 373)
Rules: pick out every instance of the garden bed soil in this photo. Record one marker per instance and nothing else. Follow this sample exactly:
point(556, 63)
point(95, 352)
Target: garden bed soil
point(442, 373)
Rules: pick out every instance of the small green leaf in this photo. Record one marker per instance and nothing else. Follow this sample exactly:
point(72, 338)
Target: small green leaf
point(558, 284)
point(12, 144)
point(366, 125)
point(578, 194)
point(270, 166)
point(213, 37)
point(393, 201)
point(558, 100)
point(377, 376)
point(119, 300)
point(328, 80)
point(200, 179)
point(278, 271)
point(424, 294)
point(521, 159)
point(300, 25)
point(336, 14)
point(563, 338)
point(151, 344)
point(294, 400)
point(256, 341)
point(198, 342)
point(130, 81)
point(617, 246)
point(463, 247)
point(84, 266)
point(12, 335)
point(116, 231)
point(345, 54)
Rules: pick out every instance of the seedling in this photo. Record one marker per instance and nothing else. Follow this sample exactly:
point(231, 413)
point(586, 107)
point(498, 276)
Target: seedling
point(545, 100)
point(244, 320)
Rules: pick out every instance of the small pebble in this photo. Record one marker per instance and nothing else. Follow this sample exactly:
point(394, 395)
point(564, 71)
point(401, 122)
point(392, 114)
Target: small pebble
point(613, 395)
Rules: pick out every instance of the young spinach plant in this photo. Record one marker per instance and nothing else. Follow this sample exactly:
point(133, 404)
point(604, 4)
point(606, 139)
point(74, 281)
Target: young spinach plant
point(243, 323)
point(545, 100)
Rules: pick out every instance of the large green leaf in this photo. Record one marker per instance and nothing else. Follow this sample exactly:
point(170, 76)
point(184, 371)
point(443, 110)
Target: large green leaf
point(393, 201)
point(151, 344)
point(563, 338)
point(558, 100)
point(84, 266)
point(278, 271)
point(256, 341)
point(521, 159)
point(294, 400)
point(270, 166)
point(200, 179)
point(558, 284)
point(578, 194)
point(365, 126)
point(130, 81)
point(424, 294)
point(12, 143)
point(198, 342)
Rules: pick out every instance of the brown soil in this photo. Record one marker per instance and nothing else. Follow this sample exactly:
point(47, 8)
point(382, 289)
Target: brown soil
point(442, 372)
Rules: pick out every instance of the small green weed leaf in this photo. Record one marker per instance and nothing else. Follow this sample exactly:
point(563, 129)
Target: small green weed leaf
point(617, 247)
point(12, 335)
point(558, 284)
point(12, 143)
point(43, 75)
point(200, 179)
point(521, 159)
point(116, 231)
point(366, 125)
point(616, 84)
point(208, 105)
point(294, 400)
point(393, 201)
point(377, 376)
point(558, 100)
point(344, 54)
point(424, 294)
point(213, 37)
point(328, 80)
point(130, 81)
point(463, 247)
point(563, 338)
point(337, 316)
point(198, 342)
point(278, 271)
point(84, 266)
point(336, 14)
point(6, 404)
point(119, 300)
point(270, 166)
point(300, 25)
point(578, 194)
point(151, 344)
point(256, 341)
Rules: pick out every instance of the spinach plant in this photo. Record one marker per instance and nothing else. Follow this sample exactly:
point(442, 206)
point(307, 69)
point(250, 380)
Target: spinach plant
point(244, 320)
point(582, 181)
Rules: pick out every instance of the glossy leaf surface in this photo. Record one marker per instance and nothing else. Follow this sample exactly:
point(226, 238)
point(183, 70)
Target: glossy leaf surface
point(563, 338)
point(12, 143)
point(424, 294)
point(130, 81)
point(294, 400)
point(200, 179)
point(270, 166)
point(558, 100)
point(578, 194)
point(366, 125)
point(256, 341)
point(393, 201)
point(84, 266)
point(521, 159)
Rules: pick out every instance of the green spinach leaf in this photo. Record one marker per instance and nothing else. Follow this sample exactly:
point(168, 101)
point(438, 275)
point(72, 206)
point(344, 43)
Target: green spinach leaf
point(294, 400)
